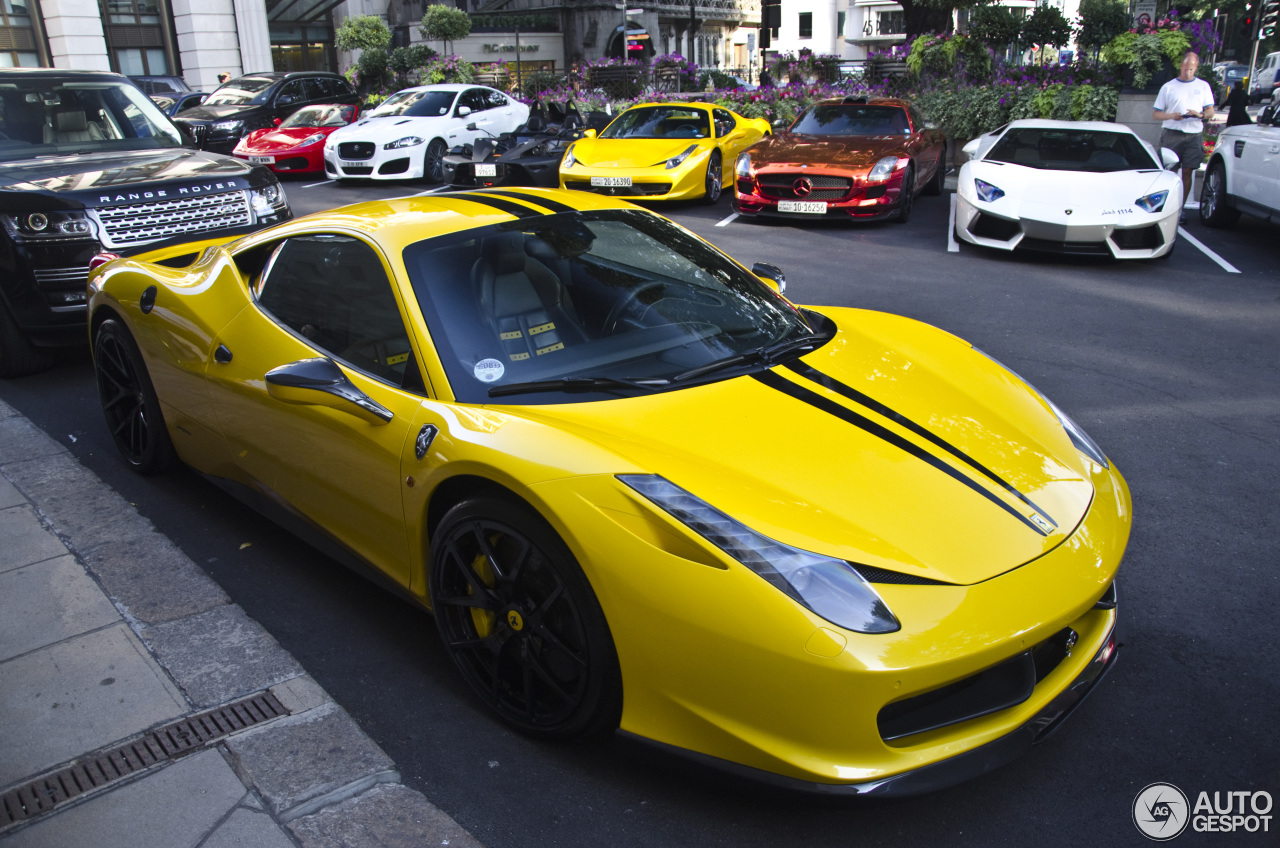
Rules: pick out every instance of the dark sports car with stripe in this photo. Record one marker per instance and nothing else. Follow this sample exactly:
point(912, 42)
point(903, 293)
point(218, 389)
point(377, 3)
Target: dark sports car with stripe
point(637, 488)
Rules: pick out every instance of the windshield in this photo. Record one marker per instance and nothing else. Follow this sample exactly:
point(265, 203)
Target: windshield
point(416, 104)
point(660, 122)
point(51, 117)
point(842, 119)
point(614, 295)
point(240, 92)
point(1096, 151)
point(320, 116)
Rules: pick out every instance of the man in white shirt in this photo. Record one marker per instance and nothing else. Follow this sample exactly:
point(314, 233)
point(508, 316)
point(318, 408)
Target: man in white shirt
point(1184, 104)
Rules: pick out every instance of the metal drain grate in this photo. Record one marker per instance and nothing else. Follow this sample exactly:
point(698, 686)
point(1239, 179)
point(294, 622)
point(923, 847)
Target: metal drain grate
point(165, 743)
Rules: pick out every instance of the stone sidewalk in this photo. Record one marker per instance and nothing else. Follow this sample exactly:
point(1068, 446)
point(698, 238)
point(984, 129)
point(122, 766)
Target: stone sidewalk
point(142, 708)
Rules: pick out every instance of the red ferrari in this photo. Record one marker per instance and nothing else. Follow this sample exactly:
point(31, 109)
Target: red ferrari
point(856, 158)
point(297, 145)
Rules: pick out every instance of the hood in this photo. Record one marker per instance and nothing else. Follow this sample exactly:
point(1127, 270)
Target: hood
point(853, 152)
point(1093, 198)
point(282, 139)
point(807, 465)
point(214, 113)
point(112, 179)
point(632, 152)
point(384, 129)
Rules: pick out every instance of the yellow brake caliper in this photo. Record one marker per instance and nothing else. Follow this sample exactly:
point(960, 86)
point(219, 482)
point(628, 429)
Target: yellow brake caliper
point(483, 619)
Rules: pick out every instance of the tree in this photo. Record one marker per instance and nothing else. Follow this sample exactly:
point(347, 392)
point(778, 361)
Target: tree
point(1047, 27)
point(1100, 21)
point(445, 23)
point(362, 32)
point(996, 26)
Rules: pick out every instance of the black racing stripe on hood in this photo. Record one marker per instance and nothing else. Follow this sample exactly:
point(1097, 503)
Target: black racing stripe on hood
point(502, 205)
point(828, 382)
point(553, 205)
point(817, 401)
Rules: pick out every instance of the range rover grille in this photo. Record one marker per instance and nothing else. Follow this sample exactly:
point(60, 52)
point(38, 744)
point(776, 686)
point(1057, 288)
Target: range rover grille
point(140, 223)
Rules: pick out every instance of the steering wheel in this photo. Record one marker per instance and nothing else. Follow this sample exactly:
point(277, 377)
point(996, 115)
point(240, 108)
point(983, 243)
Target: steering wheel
point(684, 292)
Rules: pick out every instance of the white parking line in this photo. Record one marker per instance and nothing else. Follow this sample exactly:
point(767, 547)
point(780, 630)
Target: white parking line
point(435, 190)
point(952, 245)
point(727, 221)
point(313, 185)
point(1227, 266)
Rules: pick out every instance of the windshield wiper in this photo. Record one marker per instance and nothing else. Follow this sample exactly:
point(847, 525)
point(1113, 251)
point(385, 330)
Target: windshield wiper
point(767, 355)
point(576, 384)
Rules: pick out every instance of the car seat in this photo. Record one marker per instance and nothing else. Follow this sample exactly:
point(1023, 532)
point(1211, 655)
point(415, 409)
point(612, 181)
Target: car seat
point(71, 125)
point(524, 302)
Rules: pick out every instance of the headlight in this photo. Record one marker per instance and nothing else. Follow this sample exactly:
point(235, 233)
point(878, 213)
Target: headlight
point(829, 587)
point(407, 141)
point(676, 161)
point(569, 161)
point(743, 166)
point(50, 226)
point(882, 169)
point(311, 139)
point(987, 192)
point(268, 200)
point(228, 126)
point(1152, 202)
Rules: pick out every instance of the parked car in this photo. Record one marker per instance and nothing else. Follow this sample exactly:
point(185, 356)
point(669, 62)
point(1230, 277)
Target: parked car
point(407, 135)
point(88, 163)
point(1265, 80)
point(1079, 187)
point(297, 145)
point(852, 158)
point(529, 156)
point(173, 103)
point(1243, 174)
point(161, 84)
point(255, 101)
point(662, 151)
point(539, 414)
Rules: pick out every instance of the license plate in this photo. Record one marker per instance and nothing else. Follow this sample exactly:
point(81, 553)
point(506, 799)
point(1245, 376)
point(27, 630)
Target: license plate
point(611, 181)
point(486, 170)
point(262, 160)
point(809, 207)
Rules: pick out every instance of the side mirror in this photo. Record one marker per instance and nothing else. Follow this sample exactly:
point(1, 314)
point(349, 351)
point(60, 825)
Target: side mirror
point(588, 133)
point(276, 122)
point(286, 100)
point(1169, 159)
point(772, 276)
point(971, 149)
point(931, 125)
point(781, 126)
point(471, 127)
point(320, 382)
point(464, 111)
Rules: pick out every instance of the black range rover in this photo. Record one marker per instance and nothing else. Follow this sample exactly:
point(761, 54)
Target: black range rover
point(88, 163)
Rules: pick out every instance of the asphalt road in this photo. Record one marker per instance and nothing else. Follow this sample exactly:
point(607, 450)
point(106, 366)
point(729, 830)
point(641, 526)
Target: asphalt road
point(1171, 366)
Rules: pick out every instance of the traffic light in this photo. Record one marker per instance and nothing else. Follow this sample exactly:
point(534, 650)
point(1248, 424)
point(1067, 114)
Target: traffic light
point(1268, 21)
point(1246, 26)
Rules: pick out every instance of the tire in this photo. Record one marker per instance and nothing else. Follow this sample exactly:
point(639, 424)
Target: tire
point(1215, 209)
point(433, 161)
point(520, 620)
point(712, 186)
point(906, 199)
point(129, 401)
point(18, 356)
point(939, 180)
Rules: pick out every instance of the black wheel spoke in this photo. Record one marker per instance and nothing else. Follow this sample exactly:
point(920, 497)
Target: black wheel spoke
point(533, 664)
point(555, 641)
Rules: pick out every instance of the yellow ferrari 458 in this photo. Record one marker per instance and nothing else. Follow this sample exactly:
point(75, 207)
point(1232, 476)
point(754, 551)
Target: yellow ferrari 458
point(661, 151)
point(637, 487)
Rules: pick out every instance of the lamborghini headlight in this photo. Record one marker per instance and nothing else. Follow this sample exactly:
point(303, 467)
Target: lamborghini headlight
point(743, 166)
point(882, 169)
point(400, 143)
point(1152, 202)
point(827, 586)
point(677, 161)
point(987, 192)
point(568, 161)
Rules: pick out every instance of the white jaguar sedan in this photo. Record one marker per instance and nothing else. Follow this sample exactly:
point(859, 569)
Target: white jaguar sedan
point(1079, 187)
point(408, 134)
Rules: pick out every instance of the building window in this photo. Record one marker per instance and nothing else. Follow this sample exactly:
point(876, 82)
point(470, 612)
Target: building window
point(840, 24)
point(891, 23)
point(301, 46)
point(806, 24)
point(17, 38)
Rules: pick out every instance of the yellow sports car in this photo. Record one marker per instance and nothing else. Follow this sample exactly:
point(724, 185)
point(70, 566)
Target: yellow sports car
point(661, 151)
point(639, 488)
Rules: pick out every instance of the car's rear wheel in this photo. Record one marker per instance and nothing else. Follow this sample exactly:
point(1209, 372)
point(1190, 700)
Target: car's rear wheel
point(18, 356)
point(1215, 209)
point(521, 622)
point(433, 161)
point(129, 400)
point(713, 181)
point(939, 179)
point(905, 198)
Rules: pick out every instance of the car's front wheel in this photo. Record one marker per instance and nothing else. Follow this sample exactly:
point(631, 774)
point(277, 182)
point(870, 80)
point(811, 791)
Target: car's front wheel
point(433, 161)
point(520, 620)
point(129, 400)
point(906, 196)
point(938, 181)
point(713, 180)
point(1215, 208)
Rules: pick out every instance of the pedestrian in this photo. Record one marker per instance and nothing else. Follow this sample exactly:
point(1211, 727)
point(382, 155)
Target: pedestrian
point(224, 78)
point(1238, 102)
point(1183, 105)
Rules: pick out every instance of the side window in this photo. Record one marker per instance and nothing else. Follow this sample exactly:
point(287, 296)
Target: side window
point(473, 99)
point(292, 88)
point(724, 122)
point(917, 120)
point(496, 99)
point(332, 291)
point(314, 89)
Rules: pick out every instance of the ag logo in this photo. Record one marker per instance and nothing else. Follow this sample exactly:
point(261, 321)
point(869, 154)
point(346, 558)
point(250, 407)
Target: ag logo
point(1161, 812)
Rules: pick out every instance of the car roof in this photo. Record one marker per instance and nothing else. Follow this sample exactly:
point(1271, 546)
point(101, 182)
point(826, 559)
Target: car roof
point(58, 72)
point(1046, 124)
point(870, 101)
point(444, 86)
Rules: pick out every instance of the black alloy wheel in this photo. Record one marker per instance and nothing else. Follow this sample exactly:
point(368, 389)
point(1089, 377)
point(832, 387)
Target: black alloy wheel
point(1215, 208)
point(433, 164)
point(520, 621)
point(905, 198)
point(939, 179)
point(713, 182)
point(129, 400)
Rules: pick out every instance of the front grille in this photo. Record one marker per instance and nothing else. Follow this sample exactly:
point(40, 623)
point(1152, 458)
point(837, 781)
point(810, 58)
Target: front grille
point(199, 132)
point(61, 278)
point(825, 187)
point(633, 190)
point(293, 163)
point(140, 223)
point(356, 150)
point(1138, 238)
point(1072, 248)
point(993, 227)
